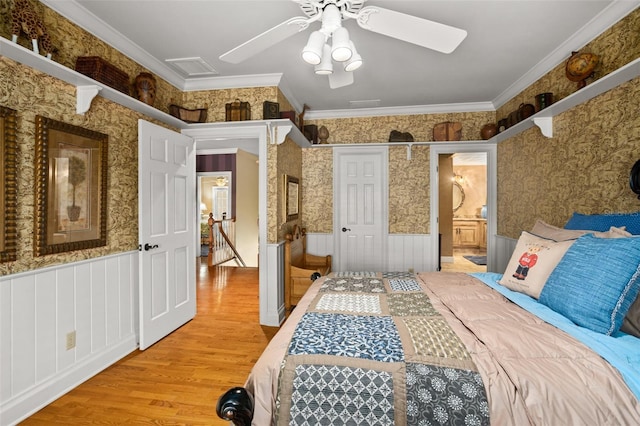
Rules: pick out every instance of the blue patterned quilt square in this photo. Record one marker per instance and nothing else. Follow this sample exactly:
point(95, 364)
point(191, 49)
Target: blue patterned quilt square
point(334, 395)
point(366, 337)
point(404, 284)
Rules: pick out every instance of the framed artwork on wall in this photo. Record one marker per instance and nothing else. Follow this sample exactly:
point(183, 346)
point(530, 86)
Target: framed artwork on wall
point(8, 185)
point(71, 187)
point(292, 197)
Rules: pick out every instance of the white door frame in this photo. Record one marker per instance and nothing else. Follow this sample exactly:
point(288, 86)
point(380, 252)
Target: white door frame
point(338, 152)
point(270, 313)
point(492, 192)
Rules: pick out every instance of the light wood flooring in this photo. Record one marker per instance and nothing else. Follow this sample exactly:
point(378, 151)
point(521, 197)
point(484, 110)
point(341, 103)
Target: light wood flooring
point(179, 379)
point(460, 264)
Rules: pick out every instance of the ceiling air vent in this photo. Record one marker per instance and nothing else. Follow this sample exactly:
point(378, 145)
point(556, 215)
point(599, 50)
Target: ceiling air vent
point(192, 67)
point(370, 103)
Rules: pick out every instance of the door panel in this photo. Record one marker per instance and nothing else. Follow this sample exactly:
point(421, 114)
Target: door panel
point(361, 200)
point(167, 237)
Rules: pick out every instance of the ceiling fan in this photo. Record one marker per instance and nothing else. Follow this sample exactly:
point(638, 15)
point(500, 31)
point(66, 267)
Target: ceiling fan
point(422, 32)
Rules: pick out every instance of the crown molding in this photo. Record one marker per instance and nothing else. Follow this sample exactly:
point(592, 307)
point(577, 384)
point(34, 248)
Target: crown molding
point(77, 14)
point(96, 26)
point(613, 13)
point(405, 110)
point(231, 82)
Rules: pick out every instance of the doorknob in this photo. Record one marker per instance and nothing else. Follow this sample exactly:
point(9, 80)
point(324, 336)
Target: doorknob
point(148, 247)
point(346, 229)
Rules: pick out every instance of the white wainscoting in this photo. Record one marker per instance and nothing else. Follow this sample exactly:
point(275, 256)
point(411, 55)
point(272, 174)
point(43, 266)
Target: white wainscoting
point(405, 251)
point(411, 252)
point(98, 298)
point(504, 249)
point(272, 310)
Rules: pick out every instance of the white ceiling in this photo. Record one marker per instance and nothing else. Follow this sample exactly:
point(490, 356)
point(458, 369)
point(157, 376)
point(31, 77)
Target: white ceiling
point(510, 44)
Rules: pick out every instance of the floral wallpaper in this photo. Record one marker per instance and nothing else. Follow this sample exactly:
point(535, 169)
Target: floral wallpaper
point(32, 93)
point(215, 101)
point(585, 166)
point(409, 183)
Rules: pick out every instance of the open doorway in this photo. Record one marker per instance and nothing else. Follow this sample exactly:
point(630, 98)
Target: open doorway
point(474, 180)
point(215, 199)
point(463, 211)
point(229, 193)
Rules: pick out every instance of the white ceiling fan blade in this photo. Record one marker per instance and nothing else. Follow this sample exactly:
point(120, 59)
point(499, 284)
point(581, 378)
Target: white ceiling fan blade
point(412, 29)
point(265, 40)
point(340, 77)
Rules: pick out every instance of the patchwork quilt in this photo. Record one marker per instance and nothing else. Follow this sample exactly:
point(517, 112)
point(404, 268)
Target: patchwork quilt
point(372, 350)
point(433, 348)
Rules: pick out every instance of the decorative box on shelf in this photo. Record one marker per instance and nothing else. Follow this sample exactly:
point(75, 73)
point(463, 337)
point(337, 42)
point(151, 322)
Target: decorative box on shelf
point(102, 71)
point(311, 133)
point(270, 110)
point(198, 115)
point(291, 115)
point(237, 111)
point(447, 131)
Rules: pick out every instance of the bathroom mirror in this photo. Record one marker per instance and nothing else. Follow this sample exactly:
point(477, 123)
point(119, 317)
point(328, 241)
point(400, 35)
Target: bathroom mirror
point(458, 196)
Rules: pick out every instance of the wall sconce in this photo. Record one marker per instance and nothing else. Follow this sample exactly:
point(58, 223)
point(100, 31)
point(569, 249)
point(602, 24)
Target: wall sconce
point(459, 179)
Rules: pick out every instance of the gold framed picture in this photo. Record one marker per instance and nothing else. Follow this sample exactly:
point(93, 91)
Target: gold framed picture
point(71, 187)
point(8, 185)
point(292, 197)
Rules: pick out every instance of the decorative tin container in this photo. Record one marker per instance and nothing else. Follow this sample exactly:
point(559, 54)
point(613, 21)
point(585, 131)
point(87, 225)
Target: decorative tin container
point(237, 111)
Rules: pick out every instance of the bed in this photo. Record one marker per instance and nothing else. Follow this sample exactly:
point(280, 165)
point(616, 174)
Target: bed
point(452, 348)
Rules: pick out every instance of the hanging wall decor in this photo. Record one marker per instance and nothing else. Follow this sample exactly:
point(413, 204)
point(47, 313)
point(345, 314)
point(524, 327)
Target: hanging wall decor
point(8, 185)
point(71, 187)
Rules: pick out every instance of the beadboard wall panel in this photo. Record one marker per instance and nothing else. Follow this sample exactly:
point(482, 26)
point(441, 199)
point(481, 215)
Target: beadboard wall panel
point(406, 251)
point(97, 298)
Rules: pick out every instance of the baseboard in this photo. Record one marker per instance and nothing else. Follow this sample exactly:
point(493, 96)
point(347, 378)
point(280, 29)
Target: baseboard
point(23, 405)
point(446, 259)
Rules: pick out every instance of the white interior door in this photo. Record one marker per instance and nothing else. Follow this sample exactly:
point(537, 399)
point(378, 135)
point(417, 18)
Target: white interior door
point(166, 194)
point(360, 202)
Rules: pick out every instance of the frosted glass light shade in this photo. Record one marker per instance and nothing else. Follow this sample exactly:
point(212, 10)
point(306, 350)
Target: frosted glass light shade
point(312, 52)
point(326, 66)
point(341, 48)
point(356, 60)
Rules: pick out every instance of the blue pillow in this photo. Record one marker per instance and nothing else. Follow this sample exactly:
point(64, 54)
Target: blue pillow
point(595, 282)
point(602, 222)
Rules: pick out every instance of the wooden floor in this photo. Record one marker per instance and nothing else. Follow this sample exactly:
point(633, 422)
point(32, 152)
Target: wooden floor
point(460, 264)
point(179, 379)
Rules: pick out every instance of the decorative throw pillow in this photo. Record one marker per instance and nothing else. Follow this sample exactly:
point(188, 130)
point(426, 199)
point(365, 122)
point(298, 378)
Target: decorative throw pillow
point(533, 260)
point(544, 230)
point(596, 282)
point(602, 222)
point(631, 323)
point(551, 232)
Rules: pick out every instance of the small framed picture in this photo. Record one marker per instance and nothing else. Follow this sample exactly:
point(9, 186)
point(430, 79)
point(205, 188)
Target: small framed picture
point(292, 197)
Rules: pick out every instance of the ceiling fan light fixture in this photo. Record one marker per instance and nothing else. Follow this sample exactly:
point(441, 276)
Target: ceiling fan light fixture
point(325, 67)
point(355, 62)
point(341, 48)
point(312, 52)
